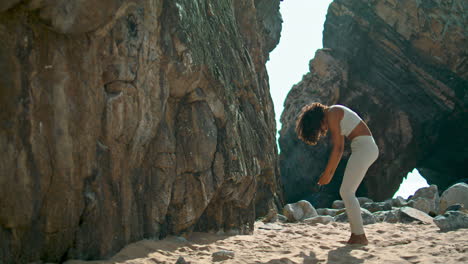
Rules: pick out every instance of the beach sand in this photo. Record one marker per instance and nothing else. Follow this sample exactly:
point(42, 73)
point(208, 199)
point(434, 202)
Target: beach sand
point(304, 243)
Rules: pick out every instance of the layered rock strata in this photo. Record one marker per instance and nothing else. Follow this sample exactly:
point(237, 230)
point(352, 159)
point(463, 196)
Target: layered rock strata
point(122, 120)
point(401, 65)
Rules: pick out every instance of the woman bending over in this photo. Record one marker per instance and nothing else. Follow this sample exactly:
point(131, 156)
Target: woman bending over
point(314, 121)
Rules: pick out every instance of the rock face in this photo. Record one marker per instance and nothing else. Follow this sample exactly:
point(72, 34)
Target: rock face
point(401, 66)
point(122, 120)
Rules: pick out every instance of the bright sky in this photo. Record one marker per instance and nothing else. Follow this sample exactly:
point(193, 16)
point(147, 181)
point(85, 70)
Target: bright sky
point(301, 36)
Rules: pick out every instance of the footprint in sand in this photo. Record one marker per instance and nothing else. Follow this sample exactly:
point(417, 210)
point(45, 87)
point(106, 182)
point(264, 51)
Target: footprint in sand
point(380, 231)
point(324, 247)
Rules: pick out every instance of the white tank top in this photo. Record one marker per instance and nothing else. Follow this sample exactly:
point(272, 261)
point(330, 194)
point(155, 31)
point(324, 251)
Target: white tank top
point(350, 120)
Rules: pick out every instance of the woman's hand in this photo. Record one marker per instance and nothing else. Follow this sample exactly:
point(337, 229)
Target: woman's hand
point(325, 178)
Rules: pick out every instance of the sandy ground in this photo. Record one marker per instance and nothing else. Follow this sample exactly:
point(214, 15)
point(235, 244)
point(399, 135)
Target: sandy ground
point(302, 243)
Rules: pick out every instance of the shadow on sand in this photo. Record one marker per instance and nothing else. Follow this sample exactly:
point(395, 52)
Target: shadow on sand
point(343, 255)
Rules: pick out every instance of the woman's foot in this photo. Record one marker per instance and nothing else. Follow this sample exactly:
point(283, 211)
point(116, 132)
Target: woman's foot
point(358, 239)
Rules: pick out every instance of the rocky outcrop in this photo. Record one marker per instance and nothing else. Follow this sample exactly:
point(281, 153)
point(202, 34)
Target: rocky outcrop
point(402, 66)
point(123, 119)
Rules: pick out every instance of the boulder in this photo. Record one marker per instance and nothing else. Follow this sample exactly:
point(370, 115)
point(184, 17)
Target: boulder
point(457, 193)
point(426, 199)
point(409, 214)
point(377, 206)
point(367, 217)
point(299, 211)
point(452, 220)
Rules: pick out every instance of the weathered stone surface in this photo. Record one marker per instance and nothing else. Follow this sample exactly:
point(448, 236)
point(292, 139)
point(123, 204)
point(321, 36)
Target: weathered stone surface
point(122, 119)
point(426, 199)
point(400, 66)
point(457, 193)
point(390, 216)
point(452, 220)
point(367, 217)
point(409, 214)
point(299, 211)
point(377, 206)
point(398, 202)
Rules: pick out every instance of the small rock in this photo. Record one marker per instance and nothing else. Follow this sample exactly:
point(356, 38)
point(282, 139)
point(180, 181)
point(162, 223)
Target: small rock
point(452, 220)
point(181, 260)
point(455, 207)
point(282, 218)
point(399, 202)
point(271, 217)
point(457, 193)
point(319, 220)
point(367, 217)
point(222, 255)
point(377, 206)
point(409, 214)
point(327, 211)
point(299, 211)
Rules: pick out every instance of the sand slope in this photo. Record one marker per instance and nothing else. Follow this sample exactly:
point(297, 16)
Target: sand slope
point(302, 243)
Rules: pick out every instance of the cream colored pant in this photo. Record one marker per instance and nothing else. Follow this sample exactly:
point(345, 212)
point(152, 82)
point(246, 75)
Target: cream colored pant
point(364, 152)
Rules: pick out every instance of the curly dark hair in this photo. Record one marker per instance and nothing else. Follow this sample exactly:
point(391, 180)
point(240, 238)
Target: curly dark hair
point(309, 123)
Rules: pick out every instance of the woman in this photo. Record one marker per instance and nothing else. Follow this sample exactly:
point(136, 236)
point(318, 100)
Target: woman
point(313, 122)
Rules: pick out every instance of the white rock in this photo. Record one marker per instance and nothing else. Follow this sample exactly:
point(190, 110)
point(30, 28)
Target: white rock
point(409, 214)
point(457, 193)
point(299, 211)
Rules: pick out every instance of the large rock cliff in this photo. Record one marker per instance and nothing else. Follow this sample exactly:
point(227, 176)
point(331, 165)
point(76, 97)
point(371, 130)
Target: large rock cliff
point(122, 120)
point(401, 65)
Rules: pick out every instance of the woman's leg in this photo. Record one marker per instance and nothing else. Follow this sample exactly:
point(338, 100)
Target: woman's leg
point(364, 153)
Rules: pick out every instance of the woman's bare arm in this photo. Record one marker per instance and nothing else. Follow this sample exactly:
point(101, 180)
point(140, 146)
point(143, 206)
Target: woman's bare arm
point(337, 140)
